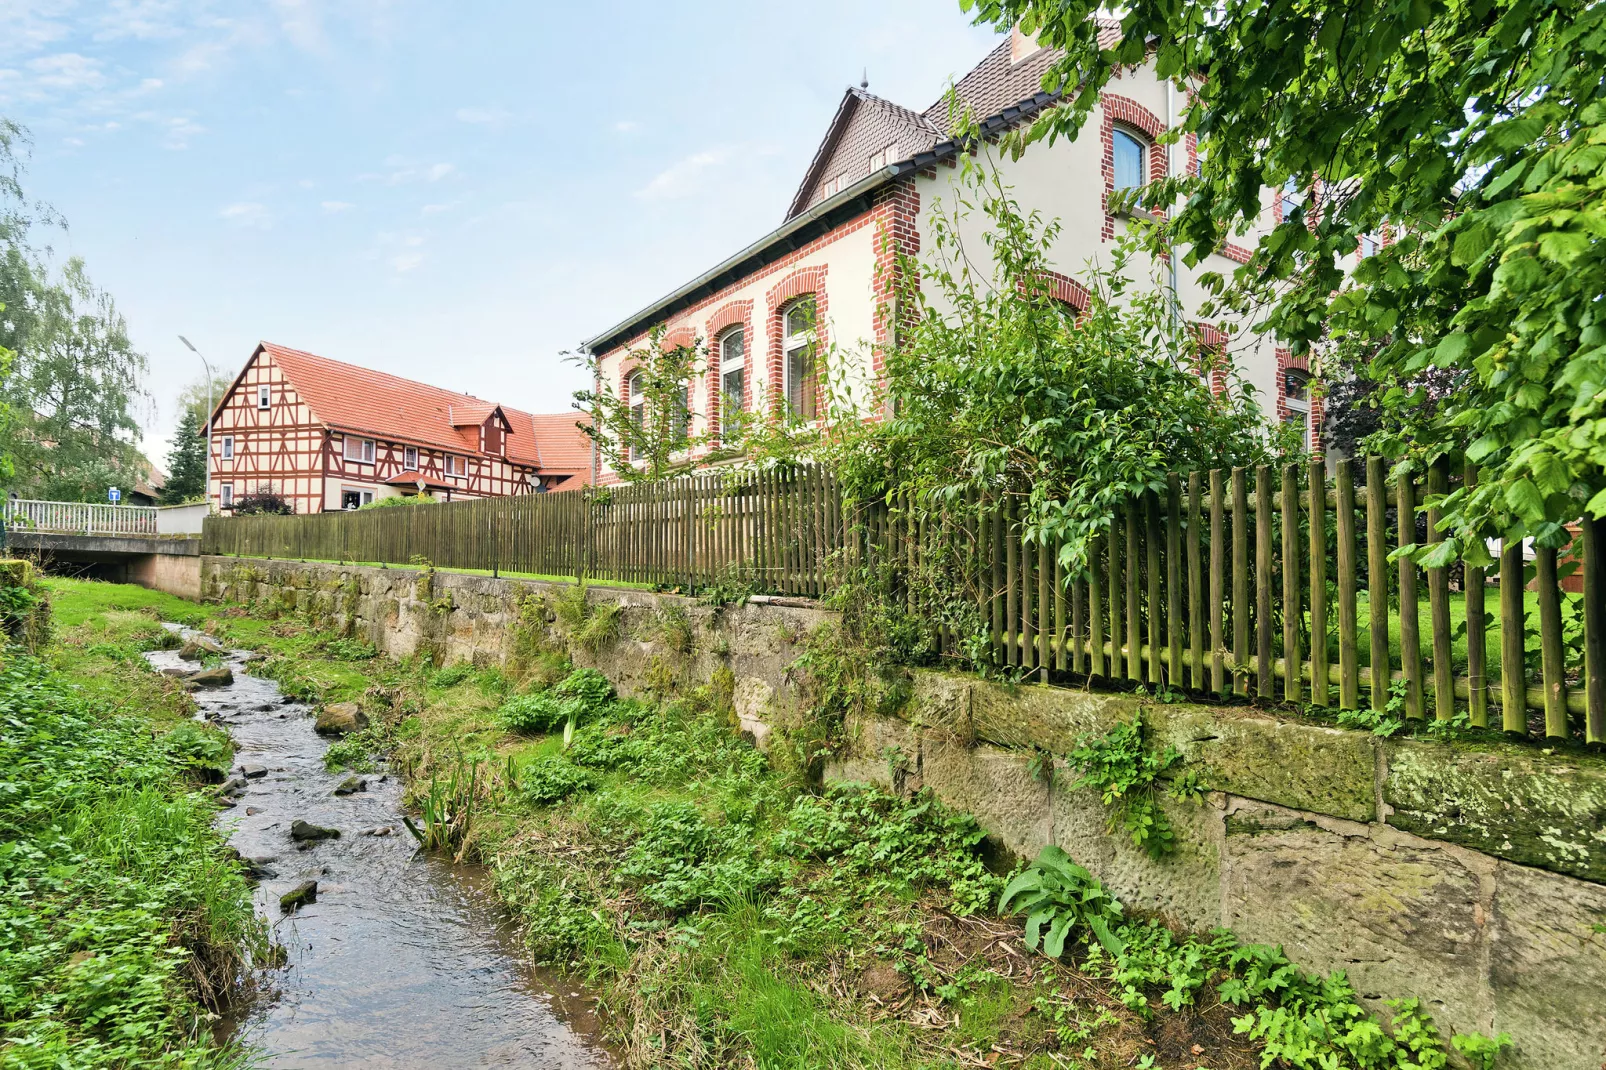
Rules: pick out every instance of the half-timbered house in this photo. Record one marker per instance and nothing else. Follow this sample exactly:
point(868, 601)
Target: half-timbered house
point(323, 435)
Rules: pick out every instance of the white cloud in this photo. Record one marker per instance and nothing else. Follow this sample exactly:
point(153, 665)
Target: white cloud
point(247, 214)
point(436, 209)
point(404, 171)
point(439, 171)
point(67, 70)
point(684, 177)
point(405, 262)
point(178, 130)
point(336, 207)
point(73, 141)
point(482, 116)
point(626, 126)
point(140, 19)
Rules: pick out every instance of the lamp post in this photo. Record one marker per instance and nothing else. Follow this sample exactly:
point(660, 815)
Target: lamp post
point(210, 379)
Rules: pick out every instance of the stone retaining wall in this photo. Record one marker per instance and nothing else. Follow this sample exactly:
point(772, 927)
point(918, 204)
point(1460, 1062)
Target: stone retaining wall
point(1469, 877)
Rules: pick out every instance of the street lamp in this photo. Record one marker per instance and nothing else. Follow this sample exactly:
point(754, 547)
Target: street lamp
point(210, 379)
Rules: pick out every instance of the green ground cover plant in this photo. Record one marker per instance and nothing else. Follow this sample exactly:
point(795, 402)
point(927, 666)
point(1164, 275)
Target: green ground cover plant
point(728, 910)
point(125, 923)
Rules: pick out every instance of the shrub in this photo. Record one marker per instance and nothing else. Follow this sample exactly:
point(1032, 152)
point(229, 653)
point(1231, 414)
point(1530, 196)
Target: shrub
point(399, 500)
point(451, 675)
point(681, 861)
point(350, 650)
point(541, 712)
point(552, 778)
point(588, 686)
point(263, 503)
point(200, 745)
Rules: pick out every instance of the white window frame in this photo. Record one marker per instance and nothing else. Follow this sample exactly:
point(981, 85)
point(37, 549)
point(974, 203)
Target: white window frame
point(732, 364)
point(1299, 407)
point(793, 342)
point(264, 396)
point(226, 495)
point(228, 447)
point(365, 450)
point(456, 465)
point(410, 458)
point(636, 395)
point(880, 159)
point(1144, 148)
point(364, 496)
point(1369, 246)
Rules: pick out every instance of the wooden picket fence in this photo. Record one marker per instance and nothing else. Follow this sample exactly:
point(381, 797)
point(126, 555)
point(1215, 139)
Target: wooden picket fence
point(772, 530)
point(1246, 583)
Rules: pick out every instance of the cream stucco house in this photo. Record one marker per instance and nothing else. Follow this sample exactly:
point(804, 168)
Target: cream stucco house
point(883, 169)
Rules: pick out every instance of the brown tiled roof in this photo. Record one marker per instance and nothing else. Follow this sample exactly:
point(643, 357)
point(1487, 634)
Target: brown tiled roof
point(864, 125)
point(350, 398)
point(564, 447)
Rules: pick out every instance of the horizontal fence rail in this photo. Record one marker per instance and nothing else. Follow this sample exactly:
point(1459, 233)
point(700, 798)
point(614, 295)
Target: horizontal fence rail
point(81, 518)
point(1267, 583)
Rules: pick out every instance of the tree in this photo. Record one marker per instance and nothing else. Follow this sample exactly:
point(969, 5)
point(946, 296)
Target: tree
point(996, 392)
point(201, 395)
point(1474, 132)
point(186, 461)
point(75, 377)
point(643, 429)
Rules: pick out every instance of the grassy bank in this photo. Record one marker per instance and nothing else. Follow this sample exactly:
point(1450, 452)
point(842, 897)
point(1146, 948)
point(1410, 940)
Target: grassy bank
point(728, 912)
point(124, 921)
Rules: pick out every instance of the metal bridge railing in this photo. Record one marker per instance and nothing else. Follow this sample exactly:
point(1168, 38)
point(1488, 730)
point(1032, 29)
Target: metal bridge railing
point(81, 518)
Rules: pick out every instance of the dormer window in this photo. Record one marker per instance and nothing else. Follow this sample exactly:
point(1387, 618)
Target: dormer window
point(881, 159)
point(1130, 159)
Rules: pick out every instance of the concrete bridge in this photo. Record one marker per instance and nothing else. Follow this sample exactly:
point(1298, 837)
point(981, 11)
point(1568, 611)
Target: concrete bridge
point(154, 546)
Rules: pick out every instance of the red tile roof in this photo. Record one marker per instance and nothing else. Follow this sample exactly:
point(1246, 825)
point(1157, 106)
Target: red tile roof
point(564, 447)
point(351, 398)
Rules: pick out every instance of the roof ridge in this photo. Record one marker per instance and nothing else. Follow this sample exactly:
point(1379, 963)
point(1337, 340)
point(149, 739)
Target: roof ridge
point(390, 376)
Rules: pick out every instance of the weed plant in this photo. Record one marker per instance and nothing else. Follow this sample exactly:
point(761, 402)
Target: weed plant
point(124, 921)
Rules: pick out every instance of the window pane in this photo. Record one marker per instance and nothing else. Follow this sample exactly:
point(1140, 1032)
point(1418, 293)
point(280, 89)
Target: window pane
point(732, 350)
point(731, 388)
point(1128, 161)
point(800, 382)
point(800, 319)
point(1297, 386)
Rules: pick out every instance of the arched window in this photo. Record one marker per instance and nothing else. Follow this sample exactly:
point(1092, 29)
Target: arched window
point(797, 359)
point(732, 370)
point(637, 392)
point(1130, 159)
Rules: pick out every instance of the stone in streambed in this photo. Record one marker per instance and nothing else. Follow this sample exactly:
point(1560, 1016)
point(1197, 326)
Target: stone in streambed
point(380, 830)
point(305, 832)
point(253, 772)
point(235, 785)
point(301, 895)
point(351, 785)
point(196, 648)
point(216, 676)
point(338, 718)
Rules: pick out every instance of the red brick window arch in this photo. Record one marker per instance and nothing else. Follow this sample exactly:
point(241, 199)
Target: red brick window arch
point(1133, 155)
point(729, 377)
point(806, 331)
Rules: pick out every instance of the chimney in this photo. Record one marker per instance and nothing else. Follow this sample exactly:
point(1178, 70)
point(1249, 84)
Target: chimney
point(1021, 45)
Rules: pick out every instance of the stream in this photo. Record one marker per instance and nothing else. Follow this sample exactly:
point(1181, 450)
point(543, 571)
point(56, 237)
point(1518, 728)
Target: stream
point(403, 960)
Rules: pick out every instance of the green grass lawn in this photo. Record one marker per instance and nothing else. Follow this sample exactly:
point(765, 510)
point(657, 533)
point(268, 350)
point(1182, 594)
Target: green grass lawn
point(125, 920)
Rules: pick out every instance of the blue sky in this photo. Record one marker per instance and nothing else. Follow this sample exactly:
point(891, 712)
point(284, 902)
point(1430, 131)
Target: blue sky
point(455, 192)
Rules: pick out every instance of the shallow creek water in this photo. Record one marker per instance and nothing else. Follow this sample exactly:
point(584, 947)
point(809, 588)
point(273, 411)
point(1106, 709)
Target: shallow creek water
point(404, 960)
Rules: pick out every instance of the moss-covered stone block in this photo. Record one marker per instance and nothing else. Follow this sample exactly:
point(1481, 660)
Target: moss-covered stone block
point(1050, 718)
point(1307, 767)
point(1542, 810)
point(995, 785)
